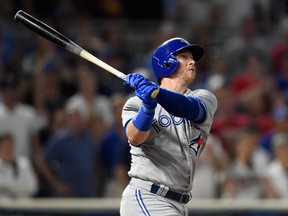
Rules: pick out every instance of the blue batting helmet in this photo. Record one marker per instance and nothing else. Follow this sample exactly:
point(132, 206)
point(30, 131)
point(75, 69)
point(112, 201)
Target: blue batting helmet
point(163, 60)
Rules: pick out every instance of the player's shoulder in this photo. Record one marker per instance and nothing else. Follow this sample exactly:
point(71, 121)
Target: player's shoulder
point(201, 93)
point(205, 96)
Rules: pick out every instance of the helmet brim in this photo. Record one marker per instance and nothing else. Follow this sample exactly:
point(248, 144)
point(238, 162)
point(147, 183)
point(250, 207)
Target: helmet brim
point(196, 50)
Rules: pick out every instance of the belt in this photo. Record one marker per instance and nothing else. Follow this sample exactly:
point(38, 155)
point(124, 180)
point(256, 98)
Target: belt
point(179, 197)
point(162, 190)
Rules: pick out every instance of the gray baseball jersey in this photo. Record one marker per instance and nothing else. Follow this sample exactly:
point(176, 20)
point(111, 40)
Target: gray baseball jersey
point(170, 153)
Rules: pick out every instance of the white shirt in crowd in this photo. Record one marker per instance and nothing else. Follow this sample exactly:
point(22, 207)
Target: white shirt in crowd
point(18, 179)
point(101, 107)
point(22, 123)
point(278, 177)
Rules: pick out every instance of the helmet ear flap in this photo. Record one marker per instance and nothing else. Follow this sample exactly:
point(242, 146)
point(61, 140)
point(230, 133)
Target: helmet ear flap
point(170, 63)
point(165, 67)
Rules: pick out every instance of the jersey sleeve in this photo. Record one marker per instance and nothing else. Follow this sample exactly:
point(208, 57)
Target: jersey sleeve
point(210, 102)
point(130, 109)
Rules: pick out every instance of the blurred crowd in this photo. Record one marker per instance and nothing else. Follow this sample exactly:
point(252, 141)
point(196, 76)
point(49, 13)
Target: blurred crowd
point(61, 133)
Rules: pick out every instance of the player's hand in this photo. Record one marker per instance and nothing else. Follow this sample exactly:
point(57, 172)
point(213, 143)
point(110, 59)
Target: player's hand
point(134, 80)
point(143, 89)
point(144, 92)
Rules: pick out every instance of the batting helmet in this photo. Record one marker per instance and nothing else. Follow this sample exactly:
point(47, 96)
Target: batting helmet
point(163, 60)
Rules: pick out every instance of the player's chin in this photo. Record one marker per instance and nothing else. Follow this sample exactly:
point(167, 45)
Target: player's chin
point(191, 77)
point(189, 80)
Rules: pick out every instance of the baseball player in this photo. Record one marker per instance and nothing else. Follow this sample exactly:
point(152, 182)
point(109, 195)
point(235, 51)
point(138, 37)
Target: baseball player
point(166, 133)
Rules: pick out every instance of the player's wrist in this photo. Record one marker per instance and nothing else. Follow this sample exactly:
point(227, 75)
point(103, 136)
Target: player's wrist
point(143, 120)
point(149, 108)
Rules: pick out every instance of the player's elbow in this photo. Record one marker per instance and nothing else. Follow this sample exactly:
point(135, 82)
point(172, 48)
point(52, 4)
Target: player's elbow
point(135, 136)
point(136, 140)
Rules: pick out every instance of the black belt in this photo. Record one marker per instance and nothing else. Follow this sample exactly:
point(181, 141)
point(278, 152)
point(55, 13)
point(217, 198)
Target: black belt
point(179, 197)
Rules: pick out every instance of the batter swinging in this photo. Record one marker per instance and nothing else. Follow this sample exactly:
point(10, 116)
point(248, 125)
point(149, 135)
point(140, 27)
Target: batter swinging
point(166, 133)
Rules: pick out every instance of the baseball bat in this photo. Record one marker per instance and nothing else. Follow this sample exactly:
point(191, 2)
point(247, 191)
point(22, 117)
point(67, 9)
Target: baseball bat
point(59, 39)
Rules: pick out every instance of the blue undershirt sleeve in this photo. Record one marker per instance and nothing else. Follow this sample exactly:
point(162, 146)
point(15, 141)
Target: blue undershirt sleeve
point(182, 106)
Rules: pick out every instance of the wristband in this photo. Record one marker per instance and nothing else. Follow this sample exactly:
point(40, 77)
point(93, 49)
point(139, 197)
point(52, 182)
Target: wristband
point(143, 120)
point(148, 109)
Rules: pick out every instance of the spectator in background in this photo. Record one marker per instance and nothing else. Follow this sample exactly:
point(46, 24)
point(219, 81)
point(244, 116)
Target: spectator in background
point(44, 93)
point(245, 43)
point(260, 157)
point(55, 125)
point(228, 120)
point(69, 160)
point(18, 118)
point(256, 105)
point(217, 72)
point(277, 50)
point(123, 166)
point(218, 25)
point(242, 179)
point(67, 79)
point(280, 125)
point(210, 170)
point(250, 77)
point(17, 176)
point(111, 146)
point(37, 57)
point(87, 98)
point(48, 82)
point(276, 173)
point(114, 51)
point(281, 76)
point(236, 11)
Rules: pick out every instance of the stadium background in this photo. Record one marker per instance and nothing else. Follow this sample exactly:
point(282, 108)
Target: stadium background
point(244, 65)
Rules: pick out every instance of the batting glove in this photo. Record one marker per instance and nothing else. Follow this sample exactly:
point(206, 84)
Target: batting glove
point(144, 92)
point(134, 80)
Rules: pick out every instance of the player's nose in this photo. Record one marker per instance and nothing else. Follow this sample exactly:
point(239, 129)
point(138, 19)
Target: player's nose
point(191, 61)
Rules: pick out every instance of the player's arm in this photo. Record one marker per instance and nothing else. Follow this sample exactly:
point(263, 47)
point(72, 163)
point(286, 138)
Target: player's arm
point(179, 105)
point(138, 129)
point(136, 136)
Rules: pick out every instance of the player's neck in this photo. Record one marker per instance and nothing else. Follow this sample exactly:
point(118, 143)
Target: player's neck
point(174, 85)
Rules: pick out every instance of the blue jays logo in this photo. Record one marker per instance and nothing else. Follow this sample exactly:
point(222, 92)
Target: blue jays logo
point(196, 143)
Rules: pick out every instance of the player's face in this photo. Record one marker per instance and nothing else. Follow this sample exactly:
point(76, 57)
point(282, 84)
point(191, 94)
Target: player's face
point(186, 70)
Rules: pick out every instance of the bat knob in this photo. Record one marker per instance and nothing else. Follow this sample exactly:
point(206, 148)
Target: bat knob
point(155, 93)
